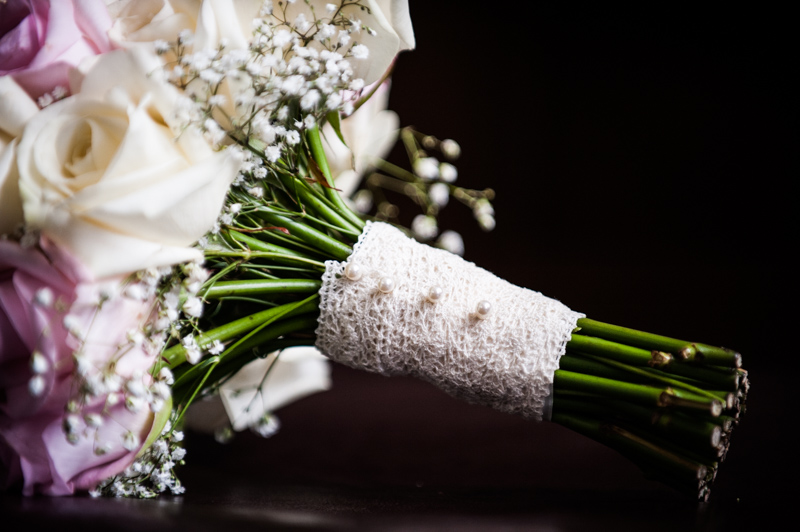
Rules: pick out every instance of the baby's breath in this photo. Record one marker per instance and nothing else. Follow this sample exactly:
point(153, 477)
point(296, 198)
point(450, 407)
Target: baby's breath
point(292, 75)
point(153, 472)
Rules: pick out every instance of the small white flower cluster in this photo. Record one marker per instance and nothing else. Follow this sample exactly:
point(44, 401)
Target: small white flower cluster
point(99, 385)
point(484, 213)
point(293, 74)
point(58, 93)
point(181, 306)
point(152, 472)
point(268, 425)
point(430, 184)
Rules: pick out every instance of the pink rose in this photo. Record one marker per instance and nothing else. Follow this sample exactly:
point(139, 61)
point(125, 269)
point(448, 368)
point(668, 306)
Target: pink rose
point(42, 295)
point(40, 40)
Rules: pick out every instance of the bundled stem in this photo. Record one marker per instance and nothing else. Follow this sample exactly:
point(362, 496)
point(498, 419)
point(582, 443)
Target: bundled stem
point(668, 404)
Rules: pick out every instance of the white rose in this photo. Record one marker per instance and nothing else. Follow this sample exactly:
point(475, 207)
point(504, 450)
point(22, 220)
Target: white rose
point(369, 133)
point(16, 109)
point(231, 22)
point(150, 20)
point(298, 372)
point(109, 175)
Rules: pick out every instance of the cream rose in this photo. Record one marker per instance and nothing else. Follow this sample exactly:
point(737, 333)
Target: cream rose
point(231, 21)
point(16, 108)
point(109, 175)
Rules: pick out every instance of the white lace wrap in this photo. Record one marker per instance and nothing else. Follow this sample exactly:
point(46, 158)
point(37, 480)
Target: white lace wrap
point(505, 361)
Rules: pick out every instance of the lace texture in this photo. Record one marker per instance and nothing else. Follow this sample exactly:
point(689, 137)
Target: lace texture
point(505, 361)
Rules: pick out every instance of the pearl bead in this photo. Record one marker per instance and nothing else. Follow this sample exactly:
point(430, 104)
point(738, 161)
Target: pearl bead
point(386, 285)
point(353, 271)
point(483, 309)
point(435, 294)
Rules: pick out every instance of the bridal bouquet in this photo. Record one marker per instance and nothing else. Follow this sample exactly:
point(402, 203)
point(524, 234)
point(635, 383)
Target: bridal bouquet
point(177, 185)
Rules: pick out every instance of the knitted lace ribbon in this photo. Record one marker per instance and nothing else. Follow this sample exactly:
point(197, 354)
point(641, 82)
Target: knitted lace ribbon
point(505, 361)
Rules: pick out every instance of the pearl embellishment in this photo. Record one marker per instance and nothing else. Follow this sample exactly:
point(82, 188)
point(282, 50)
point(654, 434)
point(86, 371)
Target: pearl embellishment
point(353, 271)
point(483, 309)
point(435, 294)
point(386, 285)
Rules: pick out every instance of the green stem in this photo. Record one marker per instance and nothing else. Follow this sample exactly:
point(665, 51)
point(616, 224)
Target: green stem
point(242, 352)
point(318, 152)
point(657, 376)
point(630, 444)
point(176, 355)
point(265, 342)
point(334, 249)
point(636, 393)
point(263, 287)
point(322, 206)
point(682, 429)
point(687, 350)
point(580, 364)
point(626, 354)
point(266, 247)
point(278, 257)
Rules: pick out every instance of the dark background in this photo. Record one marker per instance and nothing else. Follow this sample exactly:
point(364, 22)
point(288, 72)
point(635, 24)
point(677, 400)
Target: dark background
point(641, 160)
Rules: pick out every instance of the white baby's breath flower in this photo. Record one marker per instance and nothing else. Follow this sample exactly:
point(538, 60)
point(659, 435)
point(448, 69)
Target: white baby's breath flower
point(333, 101)
point(310, 100)
point(134, 404)
point(160, 389)
point(301, 23)
point(216, 347)
point(427, 167)
point(193, 307)
point(36, 385)
point(452, 242)
point(486, 222)
point(39, 363)
point(135, 387)
point(130, 441)
point(424, 227)
point(360, 51)
point(73, 325)
point(72, 423)
point(356, 84)
point(448, 172)
point(43, 297)
point(292, 138)
point(193, 356)
point(178, 454)
point(439, 194)
point(362, 200)
point(482, 207)
point(165, 375)
point(450, 148)
point(93, 420)
point(268, 426)
point(161, 46)
point(281, 38)
point(326, 31)
point(273, 153)
point(45, 100)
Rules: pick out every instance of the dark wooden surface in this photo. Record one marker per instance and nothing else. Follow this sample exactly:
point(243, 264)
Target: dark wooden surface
point(397, 454)
point(642, 161)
